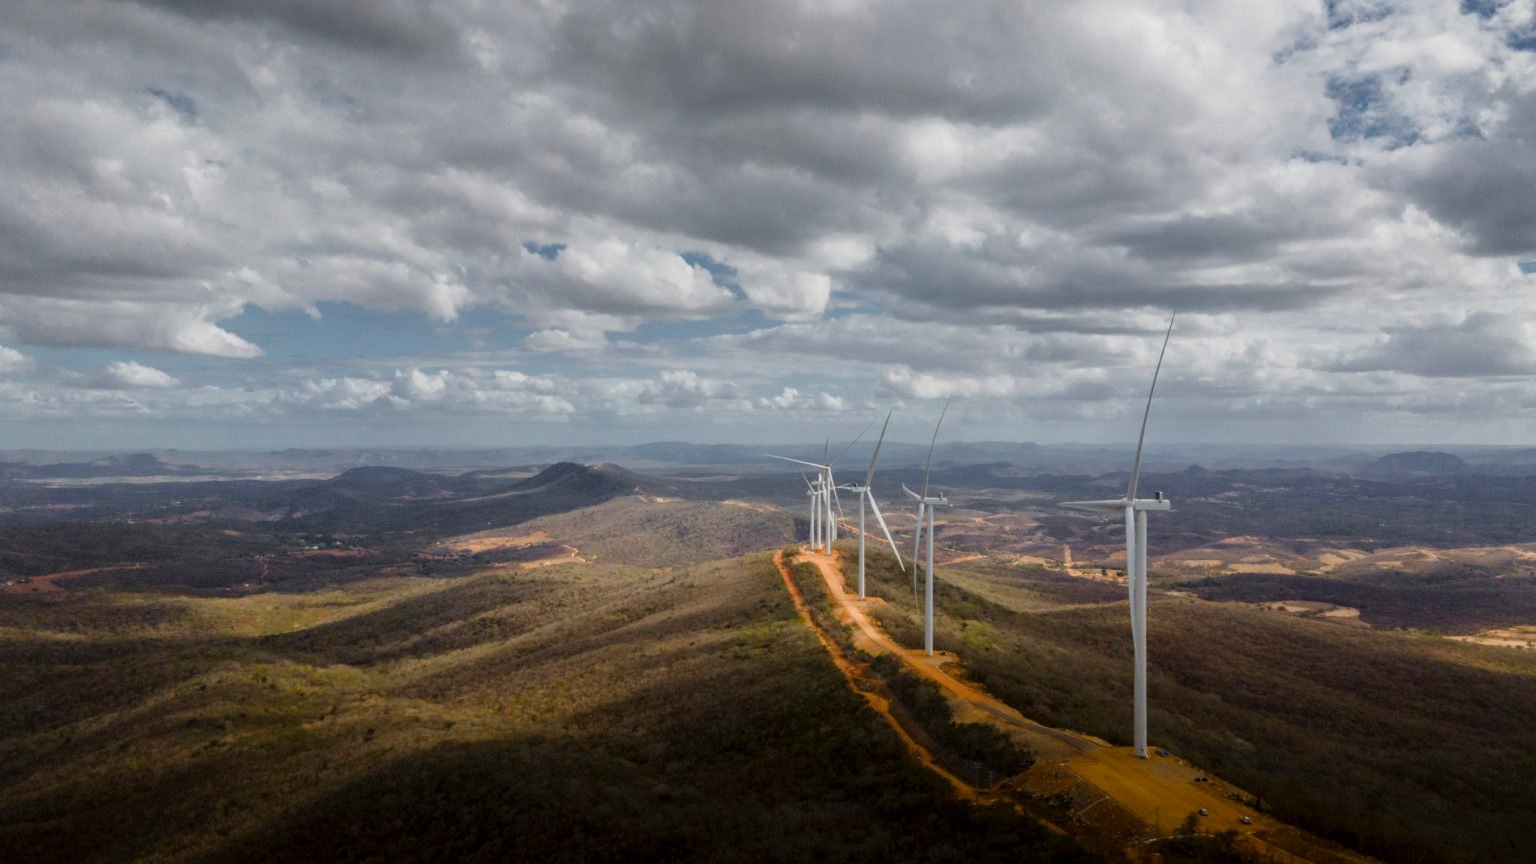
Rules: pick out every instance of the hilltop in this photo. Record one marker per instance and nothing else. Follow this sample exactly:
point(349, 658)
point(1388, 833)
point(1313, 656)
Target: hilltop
point(1420, 462)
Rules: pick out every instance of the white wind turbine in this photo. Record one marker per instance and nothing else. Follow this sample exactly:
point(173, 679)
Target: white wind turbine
point(829, 496)
point(865, 494)
point(823, 494)
point(1135, 510)
point(925, 503)
point(821, 500)
point(814, 491)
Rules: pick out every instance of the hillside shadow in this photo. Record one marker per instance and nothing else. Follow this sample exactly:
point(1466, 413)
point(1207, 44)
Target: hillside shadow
point(417, 626)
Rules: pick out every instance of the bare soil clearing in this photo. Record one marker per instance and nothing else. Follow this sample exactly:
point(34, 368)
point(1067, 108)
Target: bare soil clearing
point(1507, 637)
point(487, 541)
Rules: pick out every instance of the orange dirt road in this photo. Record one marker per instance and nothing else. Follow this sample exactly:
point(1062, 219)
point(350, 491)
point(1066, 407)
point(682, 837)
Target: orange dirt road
point(49, 583)
point(1159, 791)
point(881, 705)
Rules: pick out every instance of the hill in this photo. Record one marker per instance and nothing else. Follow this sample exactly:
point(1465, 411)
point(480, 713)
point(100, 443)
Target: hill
point(1401, 746)
point(115, 465)
point(1420, 462)
point(573, 713)
point(382, 499)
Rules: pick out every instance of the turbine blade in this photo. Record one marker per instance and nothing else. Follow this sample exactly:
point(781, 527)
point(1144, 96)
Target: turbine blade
point(1095, 506)
point(808, 483)
point(825, 448)
point(881, 519)
point(915, 496)
point(853, 442)
point(835, 499)
point(929, 466)
point(796, 461)
point(917, 545)
point(1130, 494)
point(870, 476)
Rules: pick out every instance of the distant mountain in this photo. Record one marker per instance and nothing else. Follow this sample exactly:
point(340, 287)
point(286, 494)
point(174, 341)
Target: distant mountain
point(1429, 462)
point(683, 453)
point(385, 482)
point(573, 485)
point(383, 498)
point(115, 465)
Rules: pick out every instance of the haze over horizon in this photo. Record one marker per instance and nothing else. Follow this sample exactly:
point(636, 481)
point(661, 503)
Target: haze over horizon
point(388, 224)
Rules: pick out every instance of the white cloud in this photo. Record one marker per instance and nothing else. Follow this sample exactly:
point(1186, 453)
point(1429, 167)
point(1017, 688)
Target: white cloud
point(556, 339)
point(1002, 207)
point(12, 361)
point(791, 399)
point(614, 277)
point(686, 389)
point(791, 295)
point(184, 328)
point(132, 374)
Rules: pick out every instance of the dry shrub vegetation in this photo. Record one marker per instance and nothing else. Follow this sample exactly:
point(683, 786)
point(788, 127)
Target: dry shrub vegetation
point(648, 533)
point(569, 713)
point(1405, 746)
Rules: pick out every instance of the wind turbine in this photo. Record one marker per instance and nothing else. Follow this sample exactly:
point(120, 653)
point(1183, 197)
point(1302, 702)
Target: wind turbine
point(821, 509)
point(823, 494)
point(814, 492)
point(925, 503)
point(866, 494)
point(1135, 510)
point(829, 495)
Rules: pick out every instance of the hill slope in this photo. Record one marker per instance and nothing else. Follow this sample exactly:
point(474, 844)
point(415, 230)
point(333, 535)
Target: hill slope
point(572, 713)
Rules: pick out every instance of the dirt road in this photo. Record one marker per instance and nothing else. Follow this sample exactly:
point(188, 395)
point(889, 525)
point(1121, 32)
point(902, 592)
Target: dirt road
point(1159, 792)
point(880, 704)
point(49, 583)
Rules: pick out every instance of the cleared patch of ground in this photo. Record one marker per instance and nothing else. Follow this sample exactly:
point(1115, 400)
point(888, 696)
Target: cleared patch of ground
point(1523, 638)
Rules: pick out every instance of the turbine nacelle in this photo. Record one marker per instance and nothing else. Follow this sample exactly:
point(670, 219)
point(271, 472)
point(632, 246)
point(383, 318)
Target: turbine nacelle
point(925, 500)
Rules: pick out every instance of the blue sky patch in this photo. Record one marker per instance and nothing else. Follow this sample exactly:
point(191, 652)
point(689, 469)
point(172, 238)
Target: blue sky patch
point(723, 273)
point(345, 331)
point(1364, 112)
point(1339, 18)
point(1484, 9)
point(545, 250)
point(181, 103)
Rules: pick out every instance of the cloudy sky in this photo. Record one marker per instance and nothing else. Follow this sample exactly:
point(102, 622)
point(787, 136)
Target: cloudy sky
point(232, 224)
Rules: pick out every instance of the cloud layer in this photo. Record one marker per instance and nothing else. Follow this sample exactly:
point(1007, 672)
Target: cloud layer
point(723, 210)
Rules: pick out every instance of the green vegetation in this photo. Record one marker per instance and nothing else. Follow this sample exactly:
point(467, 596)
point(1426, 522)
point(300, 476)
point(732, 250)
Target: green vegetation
point(1410, 748)
point(568, 713)
point(668, 534)
point(822, 607)
point(1455, 598)
point(967, 749)
point(1190, 844)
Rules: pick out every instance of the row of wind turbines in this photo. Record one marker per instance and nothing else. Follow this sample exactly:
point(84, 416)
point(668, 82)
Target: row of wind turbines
point(823, 532)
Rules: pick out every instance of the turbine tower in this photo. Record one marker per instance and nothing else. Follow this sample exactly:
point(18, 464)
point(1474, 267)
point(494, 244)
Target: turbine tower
point(865, 494)
point(1135, 510)
point(829, 496)
point(814, 491)
point(927, 504)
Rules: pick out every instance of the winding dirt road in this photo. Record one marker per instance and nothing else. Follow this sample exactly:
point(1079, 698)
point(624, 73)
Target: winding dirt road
point(1159, 792)
point(880, 704)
